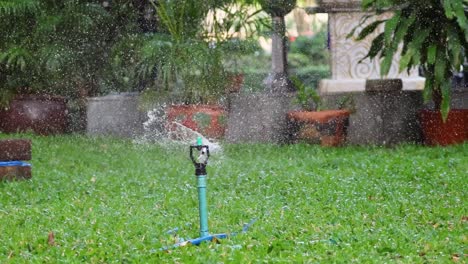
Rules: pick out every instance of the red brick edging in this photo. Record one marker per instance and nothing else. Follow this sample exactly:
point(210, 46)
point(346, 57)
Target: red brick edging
point(15, 173)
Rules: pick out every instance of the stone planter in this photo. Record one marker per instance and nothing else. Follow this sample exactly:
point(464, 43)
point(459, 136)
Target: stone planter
point(115, 115)
point(42, 114)
point(383, 114)
point(329, 128)
point(209, 120)
point(436, 132)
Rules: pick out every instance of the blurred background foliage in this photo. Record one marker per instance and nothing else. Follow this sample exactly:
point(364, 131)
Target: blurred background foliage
point(80, 48)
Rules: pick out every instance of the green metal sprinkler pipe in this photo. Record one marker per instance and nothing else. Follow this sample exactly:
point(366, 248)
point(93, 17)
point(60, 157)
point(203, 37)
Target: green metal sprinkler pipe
point(200, 173)
point(201, 184)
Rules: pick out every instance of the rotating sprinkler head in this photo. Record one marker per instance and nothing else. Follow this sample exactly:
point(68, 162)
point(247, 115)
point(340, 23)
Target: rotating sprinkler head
point(203, 156)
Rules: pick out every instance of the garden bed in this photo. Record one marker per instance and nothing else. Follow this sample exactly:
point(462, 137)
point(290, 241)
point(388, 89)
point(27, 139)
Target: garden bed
point(109, 200)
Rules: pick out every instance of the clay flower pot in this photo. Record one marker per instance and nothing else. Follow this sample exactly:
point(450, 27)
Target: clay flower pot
point(436, 132)
point(327, 127)
point(42, 114)
point(209, 120)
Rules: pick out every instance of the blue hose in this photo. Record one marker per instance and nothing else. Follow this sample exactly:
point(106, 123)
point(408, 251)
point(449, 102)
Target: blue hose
point(14, 164)
point(213, 238)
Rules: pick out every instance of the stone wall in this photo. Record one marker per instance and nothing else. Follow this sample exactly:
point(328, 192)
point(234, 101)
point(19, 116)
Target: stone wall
point(382, 118)
point(115, 115)
point(259, 117)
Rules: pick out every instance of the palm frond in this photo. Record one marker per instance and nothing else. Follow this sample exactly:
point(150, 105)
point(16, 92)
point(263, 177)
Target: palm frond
point(16, 57)
point(15, 7)
point(433, 34)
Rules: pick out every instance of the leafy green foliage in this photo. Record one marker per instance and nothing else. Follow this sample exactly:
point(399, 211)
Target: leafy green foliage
point(121, 73)
point(15, 58)
point(109, 200)
point(308, 58)
point(17, 6)
point(182, 59)
point(190, 71)
point(188, 58)
point(232, 21)
point(433, 34)
point(306, 96)
point(60, 47)
point(313, 47)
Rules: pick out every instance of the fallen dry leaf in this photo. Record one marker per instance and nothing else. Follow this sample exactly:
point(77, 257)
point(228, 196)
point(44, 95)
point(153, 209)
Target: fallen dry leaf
point(51, 239)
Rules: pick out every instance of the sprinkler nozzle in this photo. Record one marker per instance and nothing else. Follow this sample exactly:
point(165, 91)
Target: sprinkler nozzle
point(202, 159)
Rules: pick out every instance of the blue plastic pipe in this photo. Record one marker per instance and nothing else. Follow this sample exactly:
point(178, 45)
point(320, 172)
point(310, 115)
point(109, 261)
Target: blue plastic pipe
point(14, 164)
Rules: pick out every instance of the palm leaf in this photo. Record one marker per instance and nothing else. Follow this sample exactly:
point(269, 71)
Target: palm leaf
point(445, 107)
point(15, 7)
point(16, 57)
point(433, 33)
point(369, 29)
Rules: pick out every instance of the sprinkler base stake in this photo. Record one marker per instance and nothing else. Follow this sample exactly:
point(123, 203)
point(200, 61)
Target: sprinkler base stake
point(210, 238)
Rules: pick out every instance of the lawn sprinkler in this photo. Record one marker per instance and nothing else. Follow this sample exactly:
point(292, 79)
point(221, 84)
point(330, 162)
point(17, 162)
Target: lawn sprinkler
point(200, 162)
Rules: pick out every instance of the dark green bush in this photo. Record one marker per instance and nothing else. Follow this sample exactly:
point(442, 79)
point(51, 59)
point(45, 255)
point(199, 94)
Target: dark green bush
point(315, 47)
point(311, 75)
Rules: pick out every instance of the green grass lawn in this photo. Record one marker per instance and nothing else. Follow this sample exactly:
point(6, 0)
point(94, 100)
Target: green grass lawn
point(112, 201)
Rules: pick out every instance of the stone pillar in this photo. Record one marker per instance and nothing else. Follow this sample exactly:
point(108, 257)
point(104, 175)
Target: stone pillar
point(278, 81)
point(348, 75)
point(262, 117)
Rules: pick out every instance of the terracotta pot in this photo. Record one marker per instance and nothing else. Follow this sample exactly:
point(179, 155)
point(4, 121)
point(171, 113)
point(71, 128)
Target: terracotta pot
point(325, 127)
point(436, 132)
point(41, 114)
point(209, 120)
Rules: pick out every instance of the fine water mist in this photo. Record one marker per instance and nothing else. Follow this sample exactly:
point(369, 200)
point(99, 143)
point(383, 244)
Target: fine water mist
point(157, 129)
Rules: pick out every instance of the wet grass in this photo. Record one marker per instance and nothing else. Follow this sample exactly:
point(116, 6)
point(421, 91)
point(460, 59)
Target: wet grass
point(112, 201)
